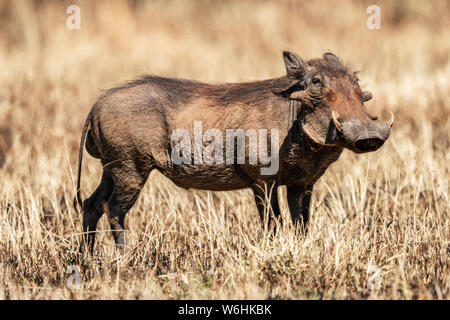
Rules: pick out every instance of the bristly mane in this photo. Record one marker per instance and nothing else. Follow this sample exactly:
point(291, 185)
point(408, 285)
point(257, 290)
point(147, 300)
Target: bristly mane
point(332, 69)
point(252, 92)
point(223, 93)
point(160, 81)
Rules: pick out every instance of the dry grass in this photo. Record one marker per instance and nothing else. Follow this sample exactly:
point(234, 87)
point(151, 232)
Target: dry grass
point(389, 208)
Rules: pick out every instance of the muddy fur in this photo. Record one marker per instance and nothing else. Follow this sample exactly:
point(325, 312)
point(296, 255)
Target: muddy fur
point(129, 130)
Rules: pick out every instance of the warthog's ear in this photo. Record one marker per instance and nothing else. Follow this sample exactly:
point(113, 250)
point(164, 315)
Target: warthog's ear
point(296, 72)
point(295, 66)
point(331, 58)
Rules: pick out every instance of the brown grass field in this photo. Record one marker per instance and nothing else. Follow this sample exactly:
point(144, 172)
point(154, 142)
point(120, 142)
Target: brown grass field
point(380, 218)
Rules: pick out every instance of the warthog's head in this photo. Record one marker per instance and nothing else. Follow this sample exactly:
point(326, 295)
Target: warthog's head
point(332, 112)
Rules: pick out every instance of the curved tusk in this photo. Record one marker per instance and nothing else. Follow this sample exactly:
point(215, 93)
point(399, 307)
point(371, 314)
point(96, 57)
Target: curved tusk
point(336, 122)
point(391, 120)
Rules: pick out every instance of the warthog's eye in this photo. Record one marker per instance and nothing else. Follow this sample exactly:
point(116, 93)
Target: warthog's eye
point(317, 80)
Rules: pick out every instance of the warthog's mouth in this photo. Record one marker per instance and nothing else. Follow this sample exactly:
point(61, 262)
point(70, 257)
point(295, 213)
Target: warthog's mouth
point(360, 145)
point(361, 137)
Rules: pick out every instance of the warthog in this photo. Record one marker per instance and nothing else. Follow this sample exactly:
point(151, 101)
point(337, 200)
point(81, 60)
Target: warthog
point(317, 107)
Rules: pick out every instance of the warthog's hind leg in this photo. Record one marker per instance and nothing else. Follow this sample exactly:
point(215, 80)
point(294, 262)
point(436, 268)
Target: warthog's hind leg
point(93, 210)
point(128, 182)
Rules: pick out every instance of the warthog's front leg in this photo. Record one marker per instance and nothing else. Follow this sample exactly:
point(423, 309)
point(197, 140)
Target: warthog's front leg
point(299, 199)
point(266, 199)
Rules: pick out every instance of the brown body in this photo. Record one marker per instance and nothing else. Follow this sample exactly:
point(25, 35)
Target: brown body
point(129, 128)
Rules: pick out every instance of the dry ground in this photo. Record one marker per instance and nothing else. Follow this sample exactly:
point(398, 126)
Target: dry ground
point(380, 218)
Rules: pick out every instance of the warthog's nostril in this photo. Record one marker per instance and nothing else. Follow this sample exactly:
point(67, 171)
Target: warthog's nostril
point(369, 144)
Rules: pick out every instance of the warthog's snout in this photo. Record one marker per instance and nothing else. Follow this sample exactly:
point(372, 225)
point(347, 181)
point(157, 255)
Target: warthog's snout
point(365, 136)
point(370, 143)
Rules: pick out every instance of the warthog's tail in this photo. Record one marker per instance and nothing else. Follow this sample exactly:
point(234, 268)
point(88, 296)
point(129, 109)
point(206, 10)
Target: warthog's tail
point(77, 201)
